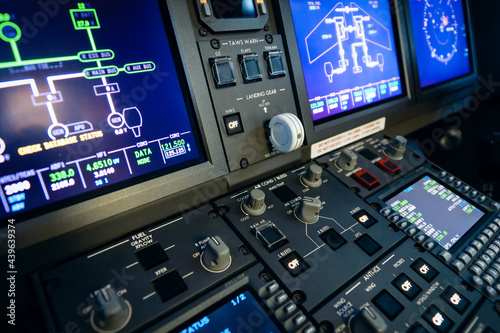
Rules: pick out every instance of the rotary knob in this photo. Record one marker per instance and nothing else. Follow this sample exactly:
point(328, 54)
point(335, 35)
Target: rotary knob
point(216, 257)
point(286, 132)
point(308, 210)
point(312, 178)
point(255, 204)
point(347, 160)
point(367, 320)
point(396, 148)
point(111, 312)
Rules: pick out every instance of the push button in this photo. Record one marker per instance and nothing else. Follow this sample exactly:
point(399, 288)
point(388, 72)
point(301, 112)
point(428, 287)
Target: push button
point(437, 319)
point(366, 179)
point(223, 72)
point(270, 236)
point(249, 65)
point(365, 219)
point(233, 124)
point(274, 61)
point(389, 166)
point(333, 239)
point(455, 300)
point(406, 286)
point(388, 304)
point(367, 244)
point(294, 264)
point(169, 285)
point(425, 270)
point(151, 256)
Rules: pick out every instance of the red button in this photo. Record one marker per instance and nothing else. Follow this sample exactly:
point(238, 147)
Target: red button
point(366, 179)
point(389, 166)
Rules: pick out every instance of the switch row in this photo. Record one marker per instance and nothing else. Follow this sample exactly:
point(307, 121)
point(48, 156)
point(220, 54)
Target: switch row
point(224, 73)
point(285, 309)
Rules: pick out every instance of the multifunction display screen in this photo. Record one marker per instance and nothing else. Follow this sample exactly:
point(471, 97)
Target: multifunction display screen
point(440, 37)
point(241, 314)
point(348, 54)
point(230, 9)
point(436, 210)
point(89, 97)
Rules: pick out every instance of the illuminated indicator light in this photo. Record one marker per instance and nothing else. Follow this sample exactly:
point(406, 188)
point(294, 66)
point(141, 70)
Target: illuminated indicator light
point(406, 286)
point(366, 179)
point(294, 264)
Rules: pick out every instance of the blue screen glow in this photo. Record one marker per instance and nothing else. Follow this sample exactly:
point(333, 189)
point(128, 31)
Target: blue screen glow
point(440, 37)
point(348, 54)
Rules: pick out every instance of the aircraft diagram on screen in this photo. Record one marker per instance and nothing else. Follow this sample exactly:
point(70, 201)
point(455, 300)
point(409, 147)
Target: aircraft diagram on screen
point(84, 19)
point(348, 29)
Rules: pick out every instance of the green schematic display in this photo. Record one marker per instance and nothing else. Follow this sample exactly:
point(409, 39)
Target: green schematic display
point(90, 96)
point(436, 210)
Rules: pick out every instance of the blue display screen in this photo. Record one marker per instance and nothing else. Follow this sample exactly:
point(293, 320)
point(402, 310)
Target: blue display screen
point(348, 54)
point(436, 210)
point(241, 314)
point(89, 97)
point(440, 37)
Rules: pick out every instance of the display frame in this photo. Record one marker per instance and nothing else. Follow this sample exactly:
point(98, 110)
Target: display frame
point(433, 92)
point(232, 24)
point(226, 299)
point(41, 224)
point(363, 115)
point(466, 236)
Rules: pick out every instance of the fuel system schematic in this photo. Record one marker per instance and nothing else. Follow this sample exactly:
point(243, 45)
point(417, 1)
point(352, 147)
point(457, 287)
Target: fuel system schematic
point(348, 54)
point(89, 97)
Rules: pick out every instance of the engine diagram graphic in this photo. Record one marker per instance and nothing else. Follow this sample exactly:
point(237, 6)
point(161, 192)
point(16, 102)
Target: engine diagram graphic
point(84, 20)
point(349, 30)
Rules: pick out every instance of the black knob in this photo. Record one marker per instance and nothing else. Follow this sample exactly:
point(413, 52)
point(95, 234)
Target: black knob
point(396, 148)
point(308, 210)
point(367, 320)
point(255, 204)
point(312, 178)
point(347, 160)
point(216, 256)
point(111, 312)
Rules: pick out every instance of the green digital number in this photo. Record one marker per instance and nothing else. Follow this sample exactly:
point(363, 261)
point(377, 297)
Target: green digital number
point(98, 165)
point(61, 175)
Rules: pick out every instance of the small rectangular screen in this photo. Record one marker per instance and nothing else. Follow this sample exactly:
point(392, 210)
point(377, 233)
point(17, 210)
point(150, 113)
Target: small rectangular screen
point(90, 97)
point(348, 54)
point(440, 38)
point(224, 9)
point(436, 210)
point(241, 314)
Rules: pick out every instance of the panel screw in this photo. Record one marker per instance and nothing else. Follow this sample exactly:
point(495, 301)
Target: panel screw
point(203, 32)
point(269, 38)
point(244, 163)
point(215, 43)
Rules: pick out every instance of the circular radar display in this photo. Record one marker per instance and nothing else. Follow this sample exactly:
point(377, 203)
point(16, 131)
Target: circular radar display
point(441, 29)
